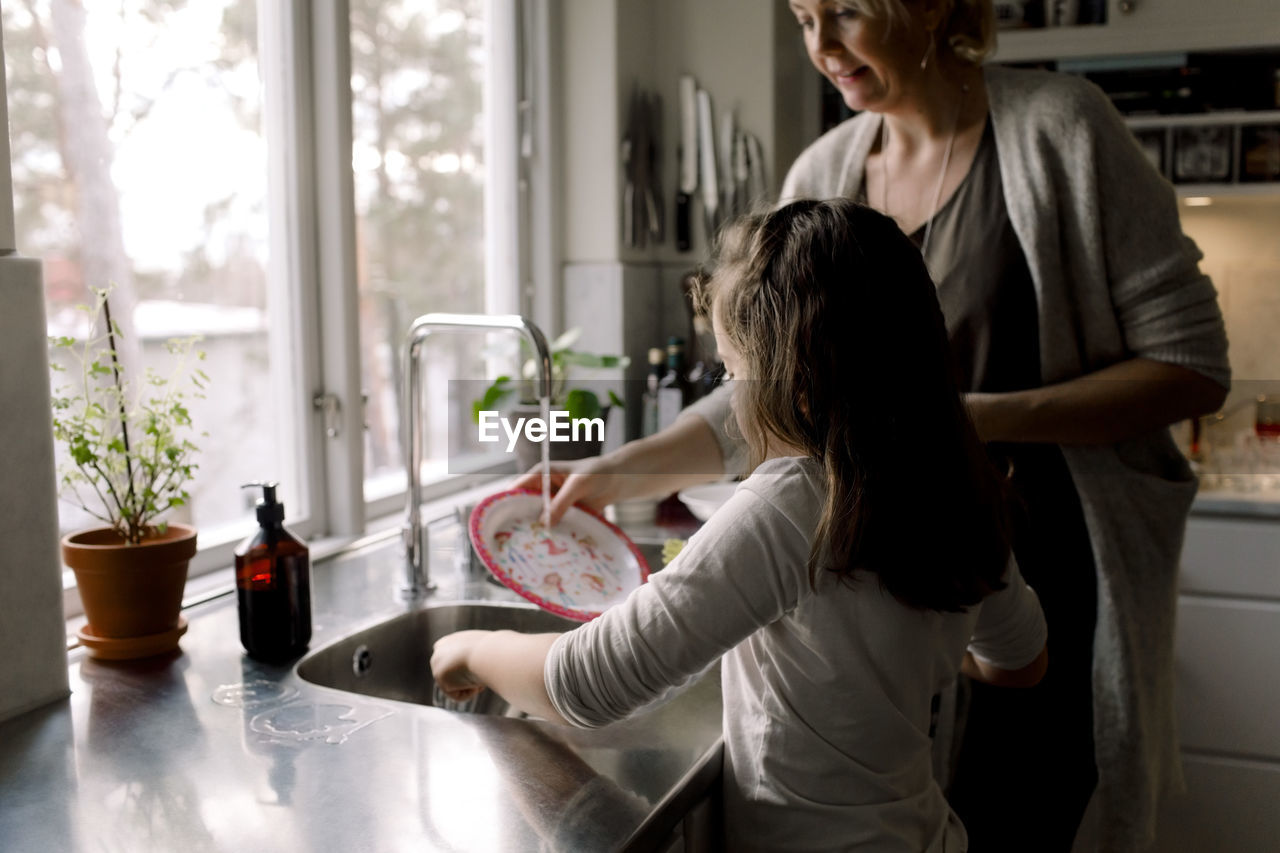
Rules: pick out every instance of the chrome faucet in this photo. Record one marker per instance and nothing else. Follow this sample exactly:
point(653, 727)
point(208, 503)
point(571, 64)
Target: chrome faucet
point(416, 582)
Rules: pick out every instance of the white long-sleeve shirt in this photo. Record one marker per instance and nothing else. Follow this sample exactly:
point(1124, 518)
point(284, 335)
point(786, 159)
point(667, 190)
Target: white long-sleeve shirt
point(827, 690)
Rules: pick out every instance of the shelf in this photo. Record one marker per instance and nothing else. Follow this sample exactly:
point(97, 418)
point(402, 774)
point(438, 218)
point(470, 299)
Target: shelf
point(1232, 117)
point(1262, 191)
point(1092, 40)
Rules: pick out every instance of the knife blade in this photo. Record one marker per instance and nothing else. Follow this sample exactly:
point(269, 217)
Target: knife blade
point(756, 188)
point(688, 162)
point(742, 174)
point(707, 164)
point(653, 186)
point(728, 130)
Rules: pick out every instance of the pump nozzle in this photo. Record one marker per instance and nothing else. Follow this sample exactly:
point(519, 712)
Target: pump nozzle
point(269, 510)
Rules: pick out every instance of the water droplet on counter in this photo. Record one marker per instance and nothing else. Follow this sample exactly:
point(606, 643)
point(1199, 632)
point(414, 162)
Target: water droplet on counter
point(251, 694)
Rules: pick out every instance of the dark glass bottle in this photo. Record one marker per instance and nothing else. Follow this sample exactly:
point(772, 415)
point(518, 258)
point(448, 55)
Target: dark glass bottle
point(674, 391)
point(273, 586)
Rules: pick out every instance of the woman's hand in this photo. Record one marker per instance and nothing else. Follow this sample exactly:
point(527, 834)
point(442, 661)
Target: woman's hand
point(451, 665)
point(593, 482)
point(684, 454)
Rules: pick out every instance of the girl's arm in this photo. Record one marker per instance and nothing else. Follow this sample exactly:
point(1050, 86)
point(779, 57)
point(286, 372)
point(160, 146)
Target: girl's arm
point(1027, 676)
point(507, 662)
point(1121, 401)
point(665, 633)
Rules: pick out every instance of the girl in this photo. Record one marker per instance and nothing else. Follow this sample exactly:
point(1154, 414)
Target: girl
point(845, 579)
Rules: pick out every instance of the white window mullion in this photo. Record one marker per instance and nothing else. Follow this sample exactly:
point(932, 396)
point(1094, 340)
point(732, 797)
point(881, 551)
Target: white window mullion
point(335, 222)
point(540, 225)
point(285, 48)
point(502, 209)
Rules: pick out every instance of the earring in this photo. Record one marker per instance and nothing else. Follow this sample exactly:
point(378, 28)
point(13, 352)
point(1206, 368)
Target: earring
point(924, 63)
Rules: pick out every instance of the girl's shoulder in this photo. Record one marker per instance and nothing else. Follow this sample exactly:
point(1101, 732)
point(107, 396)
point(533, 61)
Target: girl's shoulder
point(793, 485)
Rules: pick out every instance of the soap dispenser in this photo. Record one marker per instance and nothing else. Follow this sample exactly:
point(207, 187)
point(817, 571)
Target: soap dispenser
point(273, 585)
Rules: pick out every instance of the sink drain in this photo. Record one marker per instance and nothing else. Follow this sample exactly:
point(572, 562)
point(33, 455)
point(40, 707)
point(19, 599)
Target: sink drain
point(361, 661)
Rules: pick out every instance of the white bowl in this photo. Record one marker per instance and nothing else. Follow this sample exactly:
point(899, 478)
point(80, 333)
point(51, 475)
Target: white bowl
point(702, 501)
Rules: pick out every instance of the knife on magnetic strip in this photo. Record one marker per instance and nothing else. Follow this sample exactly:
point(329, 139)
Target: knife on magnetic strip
point(688, 162)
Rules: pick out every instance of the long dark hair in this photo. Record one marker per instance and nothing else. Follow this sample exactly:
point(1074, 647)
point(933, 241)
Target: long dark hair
point(836, 320)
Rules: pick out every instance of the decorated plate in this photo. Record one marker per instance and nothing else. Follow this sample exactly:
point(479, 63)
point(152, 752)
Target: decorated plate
point(577, 569)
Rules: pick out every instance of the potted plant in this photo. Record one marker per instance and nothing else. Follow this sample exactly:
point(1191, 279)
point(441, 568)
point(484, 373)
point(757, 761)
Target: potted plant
point(130, 459)
point(577, 401)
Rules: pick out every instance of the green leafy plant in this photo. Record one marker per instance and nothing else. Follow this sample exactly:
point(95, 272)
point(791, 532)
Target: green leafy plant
point(130, 455)
point(578, 402)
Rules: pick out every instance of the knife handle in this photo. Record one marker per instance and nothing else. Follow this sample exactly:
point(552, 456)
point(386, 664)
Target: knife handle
point(684, 231)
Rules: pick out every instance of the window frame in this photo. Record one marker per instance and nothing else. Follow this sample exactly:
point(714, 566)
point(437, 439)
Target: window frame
point(305, 64)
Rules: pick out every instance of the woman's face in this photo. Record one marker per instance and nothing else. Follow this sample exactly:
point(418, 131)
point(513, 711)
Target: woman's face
point(851, 51)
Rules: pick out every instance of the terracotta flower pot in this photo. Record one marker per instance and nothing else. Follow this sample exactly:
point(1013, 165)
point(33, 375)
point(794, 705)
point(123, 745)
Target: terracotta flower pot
point(130, 592)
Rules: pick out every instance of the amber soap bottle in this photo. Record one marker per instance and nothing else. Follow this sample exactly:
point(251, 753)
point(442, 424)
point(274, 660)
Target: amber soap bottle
point(273, 585)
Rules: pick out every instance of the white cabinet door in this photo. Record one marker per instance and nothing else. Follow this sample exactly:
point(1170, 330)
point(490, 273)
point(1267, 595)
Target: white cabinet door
point(1230, 807)
point(1228, 676)
point(1224, 556)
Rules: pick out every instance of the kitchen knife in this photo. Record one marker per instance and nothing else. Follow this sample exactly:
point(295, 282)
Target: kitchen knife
point(756, 188)
point(728, 131)
point(741, 175)
point(688, 162)
point(630, 156)
point(707, 163)
point(653, 185)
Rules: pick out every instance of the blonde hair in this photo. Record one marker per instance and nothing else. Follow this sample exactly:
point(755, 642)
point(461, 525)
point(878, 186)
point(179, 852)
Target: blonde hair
point(968, 30)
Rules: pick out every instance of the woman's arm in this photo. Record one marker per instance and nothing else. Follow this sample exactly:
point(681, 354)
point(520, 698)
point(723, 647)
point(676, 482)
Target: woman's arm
point(1122, 401)
point(684, 454)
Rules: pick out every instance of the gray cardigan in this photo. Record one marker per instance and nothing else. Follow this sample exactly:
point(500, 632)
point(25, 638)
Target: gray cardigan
point(1115, 278)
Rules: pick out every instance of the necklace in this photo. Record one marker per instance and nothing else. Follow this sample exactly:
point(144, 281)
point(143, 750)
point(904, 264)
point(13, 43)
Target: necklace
point(946, 161)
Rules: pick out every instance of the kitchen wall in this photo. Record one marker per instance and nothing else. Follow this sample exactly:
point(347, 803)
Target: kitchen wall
point(747, 54)
point(1239, 238)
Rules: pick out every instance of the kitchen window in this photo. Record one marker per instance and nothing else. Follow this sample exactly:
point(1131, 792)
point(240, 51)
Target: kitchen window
point(292, 180)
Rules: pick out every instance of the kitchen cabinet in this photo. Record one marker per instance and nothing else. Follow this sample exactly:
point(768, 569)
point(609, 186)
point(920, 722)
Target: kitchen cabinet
point(1228, 687)
point(1150, 26)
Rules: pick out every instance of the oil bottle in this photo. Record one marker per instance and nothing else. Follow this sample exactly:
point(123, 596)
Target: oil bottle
point(273, 585)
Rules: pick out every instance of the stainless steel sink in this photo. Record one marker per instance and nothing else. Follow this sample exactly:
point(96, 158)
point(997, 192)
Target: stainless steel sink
point(392, 660)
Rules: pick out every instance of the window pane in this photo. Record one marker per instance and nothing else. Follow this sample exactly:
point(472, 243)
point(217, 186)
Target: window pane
point(139, 160)
point(417, 83)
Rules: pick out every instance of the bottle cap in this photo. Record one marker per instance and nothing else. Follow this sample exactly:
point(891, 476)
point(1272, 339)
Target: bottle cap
point(269, 510)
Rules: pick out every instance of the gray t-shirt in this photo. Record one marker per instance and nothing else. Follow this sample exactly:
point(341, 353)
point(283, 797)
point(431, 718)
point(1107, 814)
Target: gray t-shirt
point(827, 690)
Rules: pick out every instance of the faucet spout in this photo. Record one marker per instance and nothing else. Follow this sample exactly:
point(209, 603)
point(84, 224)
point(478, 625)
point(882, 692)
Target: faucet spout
point(416, 581)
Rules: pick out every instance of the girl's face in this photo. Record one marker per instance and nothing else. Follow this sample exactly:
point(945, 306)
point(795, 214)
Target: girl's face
point(851, 51)
point(734, 368)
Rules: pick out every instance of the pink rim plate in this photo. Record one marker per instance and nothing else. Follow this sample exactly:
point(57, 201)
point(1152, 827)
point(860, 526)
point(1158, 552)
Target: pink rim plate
point(587, 596)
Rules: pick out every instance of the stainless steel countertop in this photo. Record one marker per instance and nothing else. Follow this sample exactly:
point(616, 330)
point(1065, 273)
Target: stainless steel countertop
point(173, 754)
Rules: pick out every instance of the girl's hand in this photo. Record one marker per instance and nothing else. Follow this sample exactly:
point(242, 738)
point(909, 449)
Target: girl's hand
point(451, 667)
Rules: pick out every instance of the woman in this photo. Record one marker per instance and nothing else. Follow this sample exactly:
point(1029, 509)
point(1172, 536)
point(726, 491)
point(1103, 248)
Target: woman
point(1082, 328)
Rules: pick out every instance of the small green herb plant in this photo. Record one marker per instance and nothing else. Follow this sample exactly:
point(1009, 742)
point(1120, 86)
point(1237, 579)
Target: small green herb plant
point(131, 456)
point(578, 402)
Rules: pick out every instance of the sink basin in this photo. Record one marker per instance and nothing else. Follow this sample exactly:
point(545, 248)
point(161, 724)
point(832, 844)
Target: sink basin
point(392, 660)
